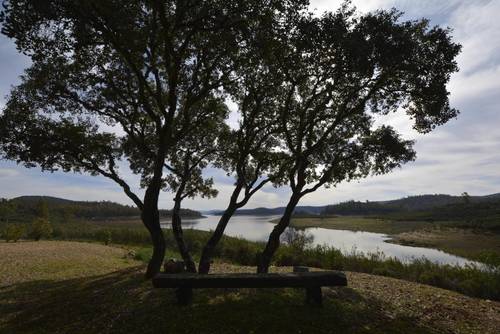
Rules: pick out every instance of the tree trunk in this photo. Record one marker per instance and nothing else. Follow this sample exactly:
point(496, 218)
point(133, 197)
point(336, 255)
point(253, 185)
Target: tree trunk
point(179, 237)
point(159, 246)
point(274, 238)
point(151, 219)
point(208, 250)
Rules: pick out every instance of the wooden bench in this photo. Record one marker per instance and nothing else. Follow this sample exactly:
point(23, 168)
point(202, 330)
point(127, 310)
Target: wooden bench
point(300, 278)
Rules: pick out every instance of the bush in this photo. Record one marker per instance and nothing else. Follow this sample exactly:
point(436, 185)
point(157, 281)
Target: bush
point(297, 239)
point(13, 232)
point(40, 228)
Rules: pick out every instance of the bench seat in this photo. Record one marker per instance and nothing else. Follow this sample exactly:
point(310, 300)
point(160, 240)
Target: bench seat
point(311, 281)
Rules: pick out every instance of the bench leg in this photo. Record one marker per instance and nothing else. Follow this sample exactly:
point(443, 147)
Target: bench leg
point(184, 295)
point(314, 296)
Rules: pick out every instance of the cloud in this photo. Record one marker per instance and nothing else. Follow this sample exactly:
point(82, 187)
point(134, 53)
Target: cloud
point(8, 173)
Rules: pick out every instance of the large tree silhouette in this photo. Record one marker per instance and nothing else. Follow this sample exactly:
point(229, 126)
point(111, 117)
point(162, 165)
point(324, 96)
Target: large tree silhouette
point(110, 81)
point(340, 73)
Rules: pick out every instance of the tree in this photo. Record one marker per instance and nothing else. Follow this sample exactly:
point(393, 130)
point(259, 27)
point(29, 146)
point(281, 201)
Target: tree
point(341, 72)
point(40, 228)
point(13, 232)
point(42, 210)
point(7, 208)
point(299, 240)
point(194, 152)
point(465, 197)
point(110, 79)
point(247, 151)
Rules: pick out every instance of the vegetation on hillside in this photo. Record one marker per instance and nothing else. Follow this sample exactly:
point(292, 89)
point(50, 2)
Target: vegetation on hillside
point(480, 212)
point(26, 208)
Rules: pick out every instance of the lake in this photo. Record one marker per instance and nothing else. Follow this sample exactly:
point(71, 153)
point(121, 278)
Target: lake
point(257, 228)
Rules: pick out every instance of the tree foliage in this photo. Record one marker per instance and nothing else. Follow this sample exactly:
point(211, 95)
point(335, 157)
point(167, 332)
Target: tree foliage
point(340, 73)
point(120, 82)
point(13, 232)
point(144, 85)
point(40, 228)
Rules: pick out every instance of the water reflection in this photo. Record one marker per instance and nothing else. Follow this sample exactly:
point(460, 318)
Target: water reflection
point(257, 228)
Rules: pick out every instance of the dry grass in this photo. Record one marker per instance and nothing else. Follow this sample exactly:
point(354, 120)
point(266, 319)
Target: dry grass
point(355, 223)
point(461, 242)
point(57, 260)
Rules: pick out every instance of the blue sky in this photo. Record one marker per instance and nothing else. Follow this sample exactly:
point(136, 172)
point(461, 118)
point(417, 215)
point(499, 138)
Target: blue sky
point(463, 155)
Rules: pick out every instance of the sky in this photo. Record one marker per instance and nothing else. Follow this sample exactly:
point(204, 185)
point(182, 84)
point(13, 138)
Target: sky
point(461, 156)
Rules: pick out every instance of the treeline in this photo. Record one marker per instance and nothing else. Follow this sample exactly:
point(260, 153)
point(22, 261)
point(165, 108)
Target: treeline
point(25, 208)
point(463, 211)
point(359, 208)
point(482, 215)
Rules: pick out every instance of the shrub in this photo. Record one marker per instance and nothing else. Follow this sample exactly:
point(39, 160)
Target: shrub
point(40, 228)
point(297, 239)
point(107, 237)
point(13, 232)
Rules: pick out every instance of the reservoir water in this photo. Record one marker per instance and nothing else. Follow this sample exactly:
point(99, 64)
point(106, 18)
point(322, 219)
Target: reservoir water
point(257, 228)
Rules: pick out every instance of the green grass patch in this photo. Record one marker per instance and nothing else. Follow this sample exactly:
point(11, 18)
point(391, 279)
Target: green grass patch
point(358, 223)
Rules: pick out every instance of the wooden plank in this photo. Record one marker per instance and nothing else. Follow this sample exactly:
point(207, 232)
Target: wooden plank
point(291, 280)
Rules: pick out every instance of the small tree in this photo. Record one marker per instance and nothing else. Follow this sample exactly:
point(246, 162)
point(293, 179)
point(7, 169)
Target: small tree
point(7, 209)
point(341, 72)
point(297, 239)
point(40, 228)
point(13, 232)
point(466, 197)
point(42, 210)
point(68, 214)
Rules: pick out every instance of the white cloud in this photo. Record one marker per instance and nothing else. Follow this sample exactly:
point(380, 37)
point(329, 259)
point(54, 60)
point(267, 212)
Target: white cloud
point(8, 173)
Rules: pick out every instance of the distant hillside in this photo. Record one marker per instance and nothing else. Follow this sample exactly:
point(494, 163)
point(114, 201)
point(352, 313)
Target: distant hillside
point(26, 207)
point(411, 204)
point(407, 204)
point(312, 210)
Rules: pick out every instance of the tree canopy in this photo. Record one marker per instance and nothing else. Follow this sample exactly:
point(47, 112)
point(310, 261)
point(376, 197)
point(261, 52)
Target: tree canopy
point(114, 83)
point(338, 74)
point(145, 85)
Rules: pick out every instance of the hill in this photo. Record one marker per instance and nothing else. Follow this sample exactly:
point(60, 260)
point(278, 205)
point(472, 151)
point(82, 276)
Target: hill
point(411, 203)
point(312, 210)
point(464, 211)
point(25, 208)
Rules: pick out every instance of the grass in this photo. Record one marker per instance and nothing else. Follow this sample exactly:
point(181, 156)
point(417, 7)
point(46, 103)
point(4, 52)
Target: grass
point(57, 260)
point(466, 243)
point(355, 223)
point(115, 298)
